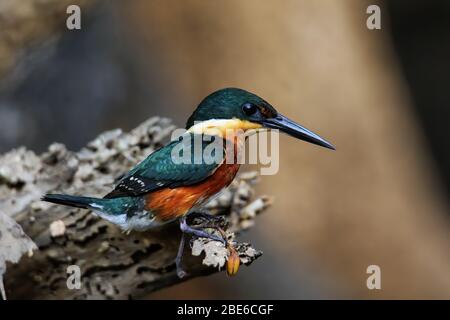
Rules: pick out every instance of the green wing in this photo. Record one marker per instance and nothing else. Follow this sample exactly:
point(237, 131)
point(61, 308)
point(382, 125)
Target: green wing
point(165, 168)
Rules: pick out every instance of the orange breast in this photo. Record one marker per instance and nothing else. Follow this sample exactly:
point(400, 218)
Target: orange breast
point(169, 204)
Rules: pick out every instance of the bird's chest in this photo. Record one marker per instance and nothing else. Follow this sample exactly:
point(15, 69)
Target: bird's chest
point(170, 203)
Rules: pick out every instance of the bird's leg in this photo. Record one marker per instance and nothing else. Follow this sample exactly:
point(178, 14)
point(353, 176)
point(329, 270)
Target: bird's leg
point(197, 231)
point(218, 223)
point(180, 272)
point(185, 228)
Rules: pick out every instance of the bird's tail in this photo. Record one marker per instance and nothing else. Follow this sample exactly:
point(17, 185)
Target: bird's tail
point(74, 201)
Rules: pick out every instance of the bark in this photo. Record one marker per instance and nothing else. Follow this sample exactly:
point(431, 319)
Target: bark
point(113, 265)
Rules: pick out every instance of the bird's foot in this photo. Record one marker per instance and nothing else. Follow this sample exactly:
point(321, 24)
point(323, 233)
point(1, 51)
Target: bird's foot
point(203, 219)
point(198, 231)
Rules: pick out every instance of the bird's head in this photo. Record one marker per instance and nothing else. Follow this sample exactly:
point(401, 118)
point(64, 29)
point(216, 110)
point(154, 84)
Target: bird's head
point(234, 108)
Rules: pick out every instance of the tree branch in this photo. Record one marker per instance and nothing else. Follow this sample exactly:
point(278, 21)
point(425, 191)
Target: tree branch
point(113, 264)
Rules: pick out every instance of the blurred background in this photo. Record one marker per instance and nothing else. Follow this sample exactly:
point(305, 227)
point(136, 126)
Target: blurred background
point(381, 96)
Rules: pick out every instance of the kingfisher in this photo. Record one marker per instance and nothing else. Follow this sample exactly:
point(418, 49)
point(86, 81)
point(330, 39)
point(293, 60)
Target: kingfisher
point(160, 190)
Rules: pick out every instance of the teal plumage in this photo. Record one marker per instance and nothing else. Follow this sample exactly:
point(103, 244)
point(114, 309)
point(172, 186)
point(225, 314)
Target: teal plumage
point(156, 172)
point(226, 104)
point(159, 170)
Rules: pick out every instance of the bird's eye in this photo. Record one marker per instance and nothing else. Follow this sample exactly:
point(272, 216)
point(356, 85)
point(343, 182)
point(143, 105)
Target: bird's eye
point(249, 108)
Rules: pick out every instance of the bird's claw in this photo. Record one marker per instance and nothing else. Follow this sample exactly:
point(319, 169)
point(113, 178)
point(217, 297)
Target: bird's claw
point(198, 232)
point(181, 273)
point(219, 239)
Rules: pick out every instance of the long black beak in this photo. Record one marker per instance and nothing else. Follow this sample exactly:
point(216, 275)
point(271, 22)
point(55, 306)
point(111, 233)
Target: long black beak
point(295, 130)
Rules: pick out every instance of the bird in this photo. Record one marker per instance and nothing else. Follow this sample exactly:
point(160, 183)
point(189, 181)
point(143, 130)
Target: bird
point(160, 190)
